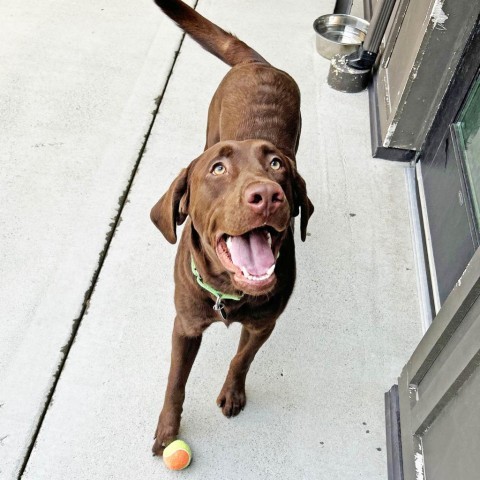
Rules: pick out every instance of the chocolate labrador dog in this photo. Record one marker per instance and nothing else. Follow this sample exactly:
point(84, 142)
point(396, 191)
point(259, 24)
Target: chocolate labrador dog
point(236, 257)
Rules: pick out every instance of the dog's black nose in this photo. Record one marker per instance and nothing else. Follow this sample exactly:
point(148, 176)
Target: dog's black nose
point(264, 198)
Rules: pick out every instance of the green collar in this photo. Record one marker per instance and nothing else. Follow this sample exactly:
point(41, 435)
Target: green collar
point(218, 295)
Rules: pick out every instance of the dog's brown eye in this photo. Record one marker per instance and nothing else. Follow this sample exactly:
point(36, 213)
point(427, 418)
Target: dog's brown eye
point(219, 169)
point(275, 164)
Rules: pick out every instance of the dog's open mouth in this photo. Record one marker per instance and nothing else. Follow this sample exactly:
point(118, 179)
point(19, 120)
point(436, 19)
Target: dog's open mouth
point(251, 256)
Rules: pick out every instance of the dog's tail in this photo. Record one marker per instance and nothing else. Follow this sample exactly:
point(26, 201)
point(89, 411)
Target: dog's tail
point(212, 38)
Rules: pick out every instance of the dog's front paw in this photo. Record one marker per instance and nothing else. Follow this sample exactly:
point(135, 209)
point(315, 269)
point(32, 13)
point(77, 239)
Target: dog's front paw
point(232, 400)
point(165, 434)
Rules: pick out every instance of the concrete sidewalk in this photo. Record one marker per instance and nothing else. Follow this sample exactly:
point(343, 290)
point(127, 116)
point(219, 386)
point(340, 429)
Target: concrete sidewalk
point(77, 99)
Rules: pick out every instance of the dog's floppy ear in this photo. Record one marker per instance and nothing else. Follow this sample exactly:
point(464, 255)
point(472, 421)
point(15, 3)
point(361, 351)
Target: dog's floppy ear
point(172, 209)
point(301, 200)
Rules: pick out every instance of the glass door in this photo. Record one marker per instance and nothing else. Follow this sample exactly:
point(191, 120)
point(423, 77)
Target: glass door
point(450, 177)
point(467, 136)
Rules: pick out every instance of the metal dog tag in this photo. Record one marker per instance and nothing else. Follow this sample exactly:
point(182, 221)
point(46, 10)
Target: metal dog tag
point(220, 307)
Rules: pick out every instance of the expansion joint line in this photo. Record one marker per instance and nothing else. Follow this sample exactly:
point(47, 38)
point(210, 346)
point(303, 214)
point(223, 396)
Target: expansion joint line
point(103, 255)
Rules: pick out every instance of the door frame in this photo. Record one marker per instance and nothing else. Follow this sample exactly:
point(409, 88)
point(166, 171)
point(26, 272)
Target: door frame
point(464, 78)
point(419, 407)
point(410, 410)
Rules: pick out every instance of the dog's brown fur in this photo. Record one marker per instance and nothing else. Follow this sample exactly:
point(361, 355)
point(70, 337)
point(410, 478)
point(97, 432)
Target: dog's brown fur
point(246, 179)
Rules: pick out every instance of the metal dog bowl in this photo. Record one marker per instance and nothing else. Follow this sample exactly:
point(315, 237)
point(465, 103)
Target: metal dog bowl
point(339, 34)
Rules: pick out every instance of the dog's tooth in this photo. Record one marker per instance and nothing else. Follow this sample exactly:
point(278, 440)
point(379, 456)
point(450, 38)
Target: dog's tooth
point(229, 243)
point(258, 278)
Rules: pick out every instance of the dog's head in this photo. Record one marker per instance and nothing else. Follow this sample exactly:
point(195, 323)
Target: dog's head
point(240, 197)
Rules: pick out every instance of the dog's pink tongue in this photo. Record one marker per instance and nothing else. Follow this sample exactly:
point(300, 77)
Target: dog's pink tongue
point(252, 252)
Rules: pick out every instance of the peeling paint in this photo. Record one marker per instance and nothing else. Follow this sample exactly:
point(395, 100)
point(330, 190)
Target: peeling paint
point(413, 390)
point(419, 466)
point(414, 73)
point(439, 17)
point(389, 135)
point(459, 282)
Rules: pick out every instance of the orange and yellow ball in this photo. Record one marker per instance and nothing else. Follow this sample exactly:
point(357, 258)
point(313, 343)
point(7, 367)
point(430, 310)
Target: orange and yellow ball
point(177, 455)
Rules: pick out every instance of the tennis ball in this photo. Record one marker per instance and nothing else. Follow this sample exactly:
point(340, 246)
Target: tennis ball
point(177, 455)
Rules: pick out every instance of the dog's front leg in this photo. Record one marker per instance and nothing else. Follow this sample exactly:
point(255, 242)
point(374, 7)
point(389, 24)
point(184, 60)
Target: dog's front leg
point(184, 351)
point(232, 398)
